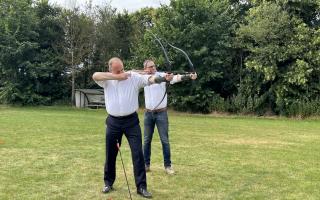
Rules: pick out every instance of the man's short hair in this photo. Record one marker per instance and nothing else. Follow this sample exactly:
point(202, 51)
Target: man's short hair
point(145, 63)
point(111, 61)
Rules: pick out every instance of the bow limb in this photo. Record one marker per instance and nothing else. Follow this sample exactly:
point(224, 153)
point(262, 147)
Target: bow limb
point(168, 65)
point(186, 55)
point(165, 53)
point(189, 63)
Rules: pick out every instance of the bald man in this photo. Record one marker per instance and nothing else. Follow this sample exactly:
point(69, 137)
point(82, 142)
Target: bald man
point(121, 90)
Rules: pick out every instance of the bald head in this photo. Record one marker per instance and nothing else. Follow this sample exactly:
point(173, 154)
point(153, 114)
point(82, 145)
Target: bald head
point(115, 65)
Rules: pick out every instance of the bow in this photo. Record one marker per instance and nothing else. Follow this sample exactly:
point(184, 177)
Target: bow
point(168, 63)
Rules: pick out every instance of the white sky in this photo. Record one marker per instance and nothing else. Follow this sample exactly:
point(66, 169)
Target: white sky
point(130, 5)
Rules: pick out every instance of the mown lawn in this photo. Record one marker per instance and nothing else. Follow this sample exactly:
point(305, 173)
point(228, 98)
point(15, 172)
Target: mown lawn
point(58, 153)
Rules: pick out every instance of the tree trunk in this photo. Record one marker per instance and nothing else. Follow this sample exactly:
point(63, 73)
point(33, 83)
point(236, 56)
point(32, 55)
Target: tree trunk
point(72, 80)
point(72, 88)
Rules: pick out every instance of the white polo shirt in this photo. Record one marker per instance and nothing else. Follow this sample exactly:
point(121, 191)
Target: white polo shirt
point(121, 97)
point(154, 93)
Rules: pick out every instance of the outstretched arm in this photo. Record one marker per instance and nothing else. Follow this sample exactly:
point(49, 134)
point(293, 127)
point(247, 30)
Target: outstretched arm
point(102, 76)
point(178, 78)
point(159, 79)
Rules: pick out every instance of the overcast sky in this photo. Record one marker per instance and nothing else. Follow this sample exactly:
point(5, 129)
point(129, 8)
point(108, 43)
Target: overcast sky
point(130, 5)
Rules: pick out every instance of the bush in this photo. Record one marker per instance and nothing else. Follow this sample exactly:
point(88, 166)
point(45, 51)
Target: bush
point(303, 108)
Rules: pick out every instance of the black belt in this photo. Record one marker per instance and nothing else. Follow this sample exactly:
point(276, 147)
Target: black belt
point(124, 117)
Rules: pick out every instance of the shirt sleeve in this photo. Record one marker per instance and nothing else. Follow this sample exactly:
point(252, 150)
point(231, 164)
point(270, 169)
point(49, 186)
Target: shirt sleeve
point(162, 74)
point(140, 80)
point(101, 83)
point(175, 79)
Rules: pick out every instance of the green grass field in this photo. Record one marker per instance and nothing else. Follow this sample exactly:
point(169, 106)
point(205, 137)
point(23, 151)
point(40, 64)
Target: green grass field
point(58, 153)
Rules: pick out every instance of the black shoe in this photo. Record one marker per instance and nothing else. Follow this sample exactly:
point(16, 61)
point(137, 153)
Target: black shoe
point(106, 189)
point(143, 192)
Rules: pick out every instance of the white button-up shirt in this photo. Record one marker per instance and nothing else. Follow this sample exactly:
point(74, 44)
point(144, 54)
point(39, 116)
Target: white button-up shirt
point(154, 93)
point(121, 97)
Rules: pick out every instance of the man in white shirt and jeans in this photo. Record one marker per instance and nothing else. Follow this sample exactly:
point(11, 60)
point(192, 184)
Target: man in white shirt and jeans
point(156, 114)
point(121, 91)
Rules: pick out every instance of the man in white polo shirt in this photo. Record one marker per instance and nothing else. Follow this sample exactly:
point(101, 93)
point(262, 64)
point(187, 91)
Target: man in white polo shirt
point(121, 91)
point(156, 114)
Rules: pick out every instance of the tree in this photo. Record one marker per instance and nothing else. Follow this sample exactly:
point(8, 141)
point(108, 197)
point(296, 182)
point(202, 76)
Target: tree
point(106, 44)
point(282, 55)
point(78, 33)
point(51, 70)
point(18, 52)
point(204, 30)
point(116, 34)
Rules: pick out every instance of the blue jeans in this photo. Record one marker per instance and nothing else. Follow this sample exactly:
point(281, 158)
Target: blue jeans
point(161, 120)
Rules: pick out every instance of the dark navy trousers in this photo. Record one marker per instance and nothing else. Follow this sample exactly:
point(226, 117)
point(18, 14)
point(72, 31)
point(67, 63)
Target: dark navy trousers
point(116, 127)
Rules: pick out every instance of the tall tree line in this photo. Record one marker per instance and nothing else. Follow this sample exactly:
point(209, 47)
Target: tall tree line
point(254, 56)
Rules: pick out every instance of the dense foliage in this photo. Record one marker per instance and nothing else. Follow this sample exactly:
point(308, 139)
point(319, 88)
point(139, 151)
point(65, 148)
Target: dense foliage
point(253, 56)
